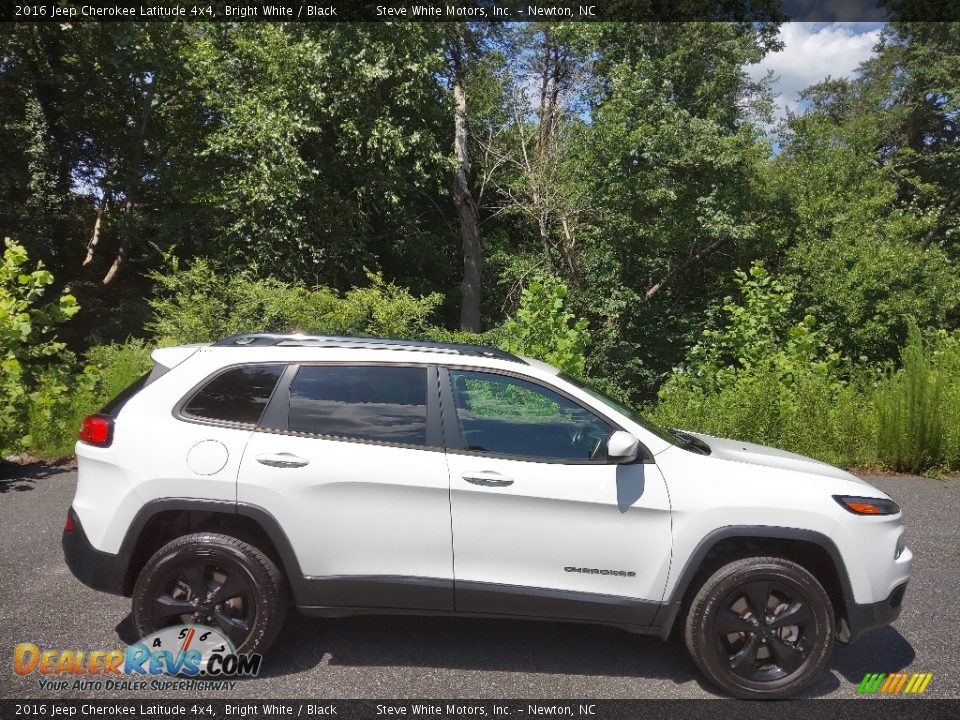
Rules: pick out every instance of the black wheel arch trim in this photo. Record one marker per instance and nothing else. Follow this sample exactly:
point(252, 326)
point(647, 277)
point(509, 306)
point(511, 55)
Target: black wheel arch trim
point(671, 606)
point(299, 587)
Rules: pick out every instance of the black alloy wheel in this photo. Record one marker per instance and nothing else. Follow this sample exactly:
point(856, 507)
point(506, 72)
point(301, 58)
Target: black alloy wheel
point(761, 628)
point(213, 580)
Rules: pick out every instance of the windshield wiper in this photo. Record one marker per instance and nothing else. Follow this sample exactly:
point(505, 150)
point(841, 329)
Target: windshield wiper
point(691, 442)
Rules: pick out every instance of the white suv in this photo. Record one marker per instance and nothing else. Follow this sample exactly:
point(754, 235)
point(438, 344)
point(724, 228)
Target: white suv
point(357, 476)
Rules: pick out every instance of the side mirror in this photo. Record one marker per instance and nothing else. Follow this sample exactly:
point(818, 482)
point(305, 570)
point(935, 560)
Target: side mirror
point(622, 447)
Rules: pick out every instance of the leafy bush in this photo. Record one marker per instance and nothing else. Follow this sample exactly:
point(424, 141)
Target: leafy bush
point(65, 395)
point(25, 343)
point(946, 358)
point(910, 408)
point(204, 304)
point(545, 328)
point(761, 378)
point(756, 338)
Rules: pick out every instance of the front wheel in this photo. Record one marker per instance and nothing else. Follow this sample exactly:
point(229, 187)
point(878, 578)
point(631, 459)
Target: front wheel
point(214, 580)
point(761, 628)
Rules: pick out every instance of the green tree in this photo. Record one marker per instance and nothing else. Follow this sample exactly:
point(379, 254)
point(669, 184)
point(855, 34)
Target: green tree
point(25, 334)
point(546, 328)
point(677, 158)
point(869, 181)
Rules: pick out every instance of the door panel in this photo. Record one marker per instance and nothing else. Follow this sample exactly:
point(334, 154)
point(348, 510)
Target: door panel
point(356, 510)
point(363, 515)
point(556, 524)
point(583, 537)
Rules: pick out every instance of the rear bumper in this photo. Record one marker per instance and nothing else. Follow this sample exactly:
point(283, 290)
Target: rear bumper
point(863, 618)
point(94, 568)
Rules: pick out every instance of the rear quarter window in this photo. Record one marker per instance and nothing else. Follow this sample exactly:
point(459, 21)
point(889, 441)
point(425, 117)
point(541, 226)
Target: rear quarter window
point(237, 395)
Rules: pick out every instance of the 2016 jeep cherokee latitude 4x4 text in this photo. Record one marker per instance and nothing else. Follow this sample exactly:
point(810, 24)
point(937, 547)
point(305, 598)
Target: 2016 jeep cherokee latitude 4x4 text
point(357, 475)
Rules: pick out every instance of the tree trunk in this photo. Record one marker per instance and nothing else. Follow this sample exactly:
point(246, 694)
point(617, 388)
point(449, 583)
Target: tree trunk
point(463, 199)
point(95, 235)
point(567, 246)
point(134, 176)
point(124, 246)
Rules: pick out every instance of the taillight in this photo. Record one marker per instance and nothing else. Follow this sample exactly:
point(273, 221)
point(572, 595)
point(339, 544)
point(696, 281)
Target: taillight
point(68, 525)
point(97, 430)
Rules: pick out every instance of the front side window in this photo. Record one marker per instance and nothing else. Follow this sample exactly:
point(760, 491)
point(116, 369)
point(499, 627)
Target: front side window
point(238, 395)
point(510, 416)
point(386, 404)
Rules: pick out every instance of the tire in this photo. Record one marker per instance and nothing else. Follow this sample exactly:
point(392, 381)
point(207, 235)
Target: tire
point(238, 589)
point(764, 657)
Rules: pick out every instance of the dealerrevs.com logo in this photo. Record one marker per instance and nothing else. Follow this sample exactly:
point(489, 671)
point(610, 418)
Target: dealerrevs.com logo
point(894, 683)
point(183, 657)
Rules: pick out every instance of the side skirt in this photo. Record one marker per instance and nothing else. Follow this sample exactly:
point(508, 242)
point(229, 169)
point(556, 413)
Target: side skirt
point(345, 596)
point(345, 612)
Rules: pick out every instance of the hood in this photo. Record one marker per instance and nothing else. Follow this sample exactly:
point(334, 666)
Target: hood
point(754, 454)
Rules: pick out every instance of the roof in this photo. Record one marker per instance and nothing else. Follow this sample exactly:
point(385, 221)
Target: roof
point(365, 343)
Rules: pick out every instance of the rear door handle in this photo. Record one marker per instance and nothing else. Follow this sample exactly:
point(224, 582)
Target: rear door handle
point(487, 478)
point(282, 460)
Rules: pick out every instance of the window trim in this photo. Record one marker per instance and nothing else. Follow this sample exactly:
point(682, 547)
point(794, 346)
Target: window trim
point(451, 425)
point(179, 408)
point(434, 441)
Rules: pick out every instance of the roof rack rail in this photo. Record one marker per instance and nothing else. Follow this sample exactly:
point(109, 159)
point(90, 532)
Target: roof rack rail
point(366, 343)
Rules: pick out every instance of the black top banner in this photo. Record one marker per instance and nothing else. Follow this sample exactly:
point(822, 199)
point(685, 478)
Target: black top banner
point(480, 11)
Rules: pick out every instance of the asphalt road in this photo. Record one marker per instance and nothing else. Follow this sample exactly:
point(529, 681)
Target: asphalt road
point(400, 657)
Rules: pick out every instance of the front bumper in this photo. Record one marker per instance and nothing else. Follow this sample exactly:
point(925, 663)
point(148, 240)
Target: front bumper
point(94, 568)
point(863, 618)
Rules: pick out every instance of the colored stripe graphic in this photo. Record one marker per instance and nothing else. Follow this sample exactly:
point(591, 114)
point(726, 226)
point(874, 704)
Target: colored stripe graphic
point(923, 679)
point(894, 683)
point(871, 682)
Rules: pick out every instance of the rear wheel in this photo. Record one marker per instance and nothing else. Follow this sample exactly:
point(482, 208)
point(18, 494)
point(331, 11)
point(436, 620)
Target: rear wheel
point(761, 628)
point(214, 580)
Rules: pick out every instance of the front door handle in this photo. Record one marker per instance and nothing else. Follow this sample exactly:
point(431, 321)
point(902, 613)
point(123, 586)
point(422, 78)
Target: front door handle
point(282, 460)
point(487, 478)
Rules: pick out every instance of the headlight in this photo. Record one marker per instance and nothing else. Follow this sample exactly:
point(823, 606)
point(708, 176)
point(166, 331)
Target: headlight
point(867, 505)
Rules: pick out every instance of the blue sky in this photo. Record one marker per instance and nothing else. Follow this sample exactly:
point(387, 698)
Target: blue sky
point(812, 52)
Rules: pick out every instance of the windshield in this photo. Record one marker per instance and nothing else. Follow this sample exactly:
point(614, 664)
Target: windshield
point(639, 419)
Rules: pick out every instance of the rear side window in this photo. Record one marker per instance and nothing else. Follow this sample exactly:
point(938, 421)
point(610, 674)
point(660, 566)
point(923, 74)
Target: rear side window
point(238, 395)
point(387, 404)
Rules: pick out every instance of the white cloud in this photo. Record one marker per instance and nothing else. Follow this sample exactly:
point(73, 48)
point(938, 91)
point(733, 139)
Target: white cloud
point(811, 52)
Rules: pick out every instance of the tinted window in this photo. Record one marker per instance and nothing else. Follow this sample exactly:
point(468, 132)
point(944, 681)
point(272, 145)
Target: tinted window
point(237, 395)
point(367, 403)
point(510, 416)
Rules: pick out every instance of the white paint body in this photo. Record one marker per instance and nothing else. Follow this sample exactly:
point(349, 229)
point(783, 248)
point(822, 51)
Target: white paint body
point(373, 509)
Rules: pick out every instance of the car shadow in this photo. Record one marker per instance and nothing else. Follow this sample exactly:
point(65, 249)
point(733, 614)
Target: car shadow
point(466, 644)
point(475, 644)
point(494, 645)
point(882, 650)
point(126, 632)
